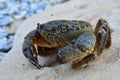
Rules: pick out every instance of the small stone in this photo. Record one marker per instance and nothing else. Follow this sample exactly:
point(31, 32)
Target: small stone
point(12, 9)
point(29, 1)
point(53, 2)
point(36, 1)
point(4, 12)
point(23, 64)
point(5, 20)
point(118, 60)
point(29, 14)
point(20, 15)
point(48, 6)
point(41, 5)
point(38, 11)
point(6, 43)
point(2, 0)
point(3, 33)
point(33, 7)
point(24, 6)
point(2, 5)
point(51, 15)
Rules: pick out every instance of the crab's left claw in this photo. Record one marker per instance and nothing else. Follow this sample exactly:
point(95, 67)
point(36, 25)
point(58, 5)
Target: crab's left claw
point(103, 36)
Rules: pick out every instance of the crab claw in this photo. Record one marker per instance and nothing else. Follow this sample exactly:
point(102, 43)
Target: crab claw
point(103, 35)
point(29, 50)
point(33, 59)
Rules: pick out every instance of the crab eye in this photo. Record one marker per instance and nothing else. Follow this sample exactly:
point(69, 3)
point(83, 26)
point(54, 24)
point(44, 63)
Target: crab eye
point(40, 26)
point(64, 28)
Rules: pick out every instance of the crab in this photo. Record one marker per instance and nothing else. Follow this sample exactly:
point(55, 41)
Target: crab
point(70, 41)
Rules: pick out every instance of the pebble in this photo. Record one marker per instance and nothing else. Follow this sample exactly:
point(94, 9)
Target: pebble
point(41, 5)
point(19, 16)
point(5, 21)
point(5, 46)
point(25, 6)
point(3, 33)
point(6, 43)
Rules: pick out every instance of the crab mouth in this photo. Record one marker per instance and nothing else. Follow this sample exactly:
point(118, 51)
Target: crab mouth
point(90, 51)
point(41, 41)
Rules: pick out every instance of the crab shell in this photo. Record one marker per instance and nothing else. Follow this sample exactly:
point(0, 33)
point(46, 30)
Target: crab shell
point(72, 41)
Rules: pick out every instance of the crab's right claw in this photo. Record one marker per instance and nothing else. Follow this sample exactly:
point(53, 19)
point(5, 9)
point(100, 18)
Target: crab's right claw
point(29, 52)
point(33, 59)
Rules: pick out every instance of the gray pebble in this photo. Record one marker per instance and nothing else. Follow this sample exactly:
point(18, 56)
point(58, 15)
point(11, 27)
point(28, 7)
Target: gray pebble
point(3, 33)
point(5, 20)
point(6, 43)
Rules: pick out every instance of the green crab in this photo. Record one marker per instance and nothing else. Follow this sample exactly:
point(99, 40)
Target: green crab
point(69, 40)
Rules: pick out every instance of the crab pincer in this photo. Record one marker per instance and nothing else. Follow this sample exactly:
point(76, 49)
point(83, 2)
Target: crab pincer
point(29, 49)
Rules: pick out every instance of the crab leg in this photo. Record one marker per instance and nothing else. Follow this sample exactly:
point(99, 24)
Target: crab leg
point(103, 36)
point(108, 35)
point(78, 64)
point(80, 52)
point(103, 40)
